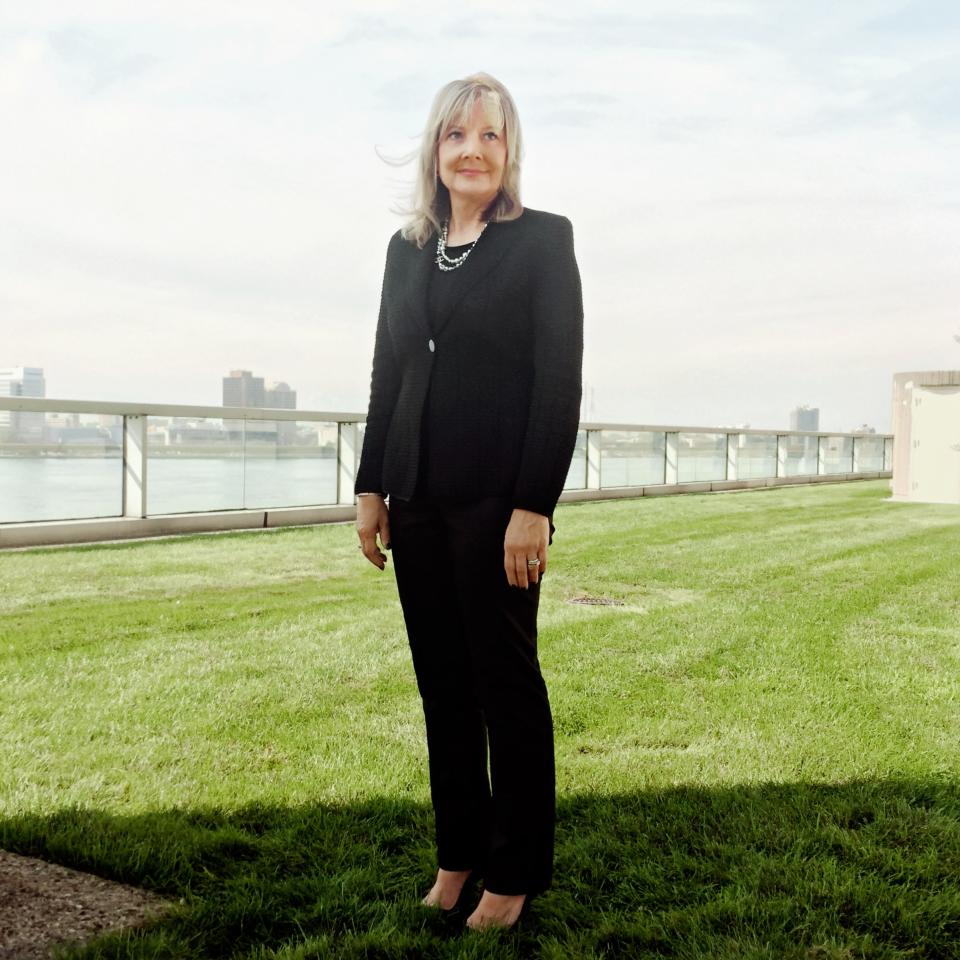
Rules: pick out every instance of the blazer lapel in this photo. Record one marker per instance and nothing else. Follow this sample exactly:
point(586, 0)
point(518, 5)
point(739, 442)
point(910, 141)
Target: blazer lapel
point(492, 245)
point(419, 283)
point(489, 251)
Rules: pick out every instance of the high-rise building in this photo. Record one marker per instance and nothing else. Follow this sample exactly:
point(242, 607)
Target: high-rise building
point(243, 389)
point(280, 396)
point(22, 426)
point(805, 418)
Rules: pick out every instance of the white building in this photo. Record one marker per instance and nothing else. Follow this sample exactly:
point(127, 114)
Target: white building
point(926, 428)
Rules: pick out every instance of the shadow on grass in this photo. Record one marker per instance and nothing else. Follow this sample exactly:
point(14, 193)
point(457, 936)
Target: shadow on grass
point(863, 869)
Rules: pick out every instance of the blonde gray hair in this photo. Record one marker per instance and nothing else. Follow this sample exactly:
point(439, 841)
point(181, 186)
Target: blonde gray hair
point(454, 102)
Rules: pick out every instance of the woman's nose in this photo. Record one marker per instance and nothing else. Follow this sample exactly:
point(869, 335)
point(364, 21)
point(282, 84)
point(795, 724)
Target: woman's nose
point(471, 146)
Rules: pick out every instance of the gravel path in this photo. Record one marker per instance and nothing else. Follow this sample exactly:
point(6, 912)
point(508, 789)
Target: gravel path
point(42, 904)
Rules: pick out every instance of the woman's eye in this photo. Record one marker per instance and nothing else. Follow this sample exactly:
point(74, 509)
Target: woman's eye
point(453, 133)
point(490, 133)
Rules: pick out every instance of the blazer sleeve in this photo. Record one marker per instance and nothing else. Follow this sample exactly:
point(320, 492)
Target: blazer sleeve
point(556, 306)
point(384, 388)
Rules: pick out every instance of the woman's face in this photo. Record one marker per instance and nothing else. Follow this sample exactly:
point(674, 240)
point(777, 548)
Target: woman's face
point(471, 157)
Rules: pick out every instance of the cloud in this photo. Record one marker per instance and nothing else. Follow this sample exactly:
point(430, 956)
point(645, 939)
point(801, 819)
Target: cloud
point(919, 17)
point(570, 118)
point(94, 61)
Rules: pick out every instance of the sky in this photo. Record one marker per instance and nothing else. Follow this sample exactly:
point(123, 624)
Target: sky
point(765, 195)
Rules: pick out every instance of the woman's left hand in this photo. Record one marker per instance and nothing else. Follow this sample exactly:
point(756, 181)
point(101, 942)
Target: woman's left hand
point(527, 536)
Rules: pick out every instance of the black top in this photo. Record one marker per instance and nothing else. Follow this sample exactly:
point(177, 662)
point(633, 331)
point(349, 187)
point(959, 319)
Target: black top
point(492, 371)
point(445, 285)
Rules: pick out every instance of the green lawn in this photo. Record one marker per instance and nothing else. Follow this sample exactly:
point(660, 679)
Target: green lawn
point(758, 751)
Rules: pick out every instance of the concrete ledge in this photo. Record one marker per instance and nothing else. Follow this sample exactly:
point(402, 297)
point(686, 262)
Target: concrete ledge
point(738, 484)
point(667, 489)
point(606, 493)
point(299, 516)
point(101, 529)
point(710, 486)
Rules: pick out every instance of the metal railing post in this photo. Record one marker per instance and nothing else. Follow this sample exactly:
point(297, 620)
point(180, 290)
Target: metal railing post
point(671, 457)
point(594, 455)
point(348, 457)
point(243, 463)
point(134, 494)
point(731, 470)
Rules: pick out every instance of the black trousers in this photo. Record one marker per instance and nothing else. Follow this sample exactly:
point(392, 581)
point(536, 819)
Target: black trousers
point(473, 638)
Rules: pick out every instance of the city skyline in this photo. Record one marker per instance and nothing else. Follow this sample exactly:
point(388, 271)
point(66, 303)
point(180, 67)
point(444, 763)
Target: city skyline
point(242, 389)
point(764, 207)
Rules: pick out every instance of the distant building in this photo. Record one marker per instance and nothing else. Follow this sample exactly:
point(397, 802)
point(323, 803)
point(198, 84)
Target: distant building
point(805, 418)
point(281, 397)
point(18, 425)
point(243, 389)
point(864, 428)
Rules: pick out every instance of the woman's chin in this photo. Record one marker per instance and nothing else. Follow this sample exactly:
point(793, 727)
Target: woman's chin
point(473, 191)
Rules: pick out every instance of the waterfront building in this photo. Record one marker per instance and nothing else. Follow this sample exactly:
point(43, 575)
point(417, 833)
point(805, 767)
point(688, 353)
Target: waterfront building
point(20, 426)
point(805, 418)
point(243, 389)
point(280, 395)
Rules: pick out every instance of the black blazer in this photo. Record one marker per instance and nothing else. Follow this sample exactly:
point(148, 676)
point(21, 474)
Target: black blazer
point(497, 382)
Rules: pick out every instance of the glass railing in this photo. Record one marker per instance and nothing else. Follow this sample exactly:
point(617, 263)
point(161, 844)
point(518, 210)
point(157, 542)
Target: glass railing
point(754, 456)
point(609, 456)
point(629, 458)
point(701, 456)
point(870, 454)
point(227, 464)
point(74, 460)
point(799, 455)
point(836, 455)
point(60, 466)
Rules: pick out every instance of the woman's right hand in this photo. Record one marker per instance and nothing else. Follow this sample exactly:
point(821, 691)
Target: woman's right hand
point(373, 518)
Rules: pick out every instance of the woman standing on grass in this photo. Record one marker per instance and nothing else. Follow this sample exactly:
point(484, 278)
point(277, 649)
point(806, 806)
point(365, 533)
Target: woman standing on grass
point(473, 417)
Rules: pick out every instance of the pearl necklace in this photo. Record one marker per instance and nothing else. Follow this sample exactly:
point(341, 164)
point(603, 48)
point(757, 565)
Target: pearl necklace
point(451, 263)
